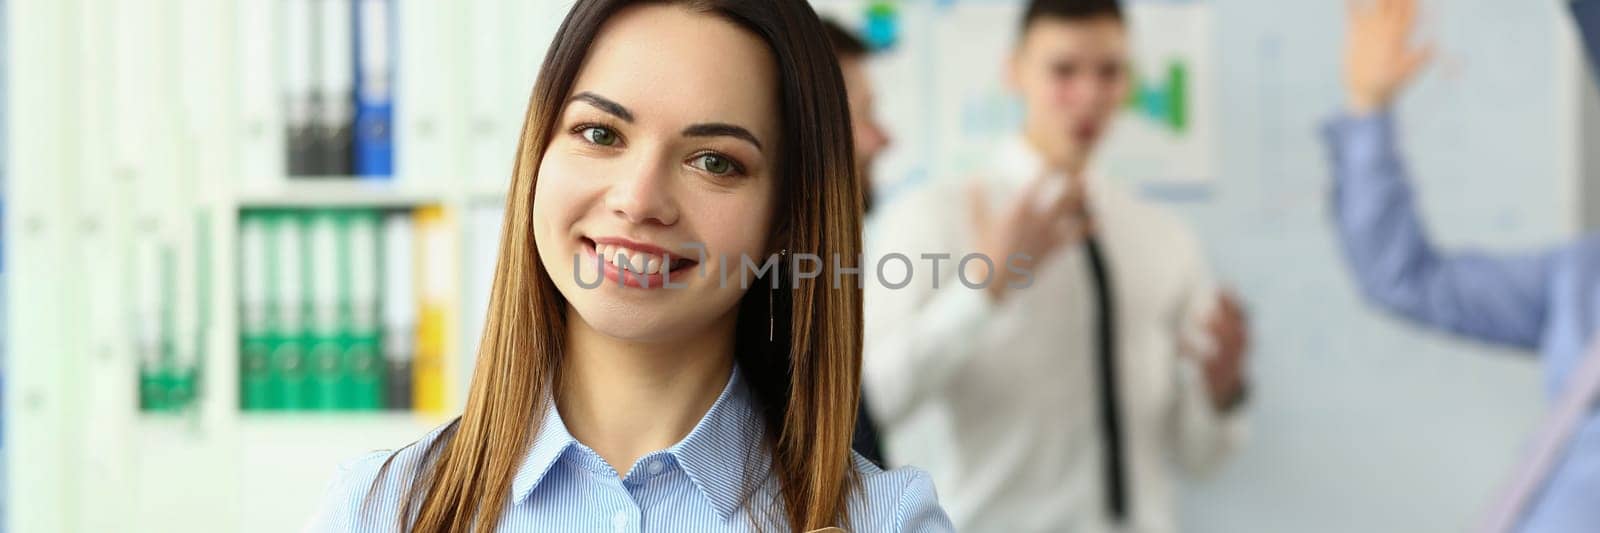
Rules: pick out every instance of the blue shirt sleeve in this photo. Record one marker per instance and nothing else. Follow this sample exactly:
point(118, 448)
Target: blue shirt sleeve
point(342, 502)
point(919, 510)
point(367, 493)
point(1495, 298)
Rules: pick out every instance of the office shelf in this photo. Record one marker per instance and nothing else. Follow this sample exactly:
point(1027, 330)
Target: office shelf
point(374, 430)
point(189, 99)
point(339, 191)
point(487, 192)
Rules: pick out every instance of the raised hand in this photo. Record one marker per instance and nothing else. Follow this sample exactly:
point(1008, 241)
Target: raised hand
point(1379, 57)
point(1046, 215)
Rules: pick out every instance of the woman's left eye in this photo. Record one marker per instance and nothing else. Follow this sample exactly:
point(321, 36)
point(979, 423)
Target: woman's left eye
point(715, 164)
point(599, 135)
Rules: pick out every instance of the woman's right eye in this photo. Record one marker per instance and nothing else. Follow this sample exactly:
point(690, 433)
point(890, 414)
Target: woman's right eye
point(600, 135)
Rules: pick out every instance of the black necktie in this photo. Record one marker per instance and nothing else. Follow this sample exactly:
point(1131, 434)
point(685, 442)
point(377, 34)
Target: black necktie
point(1110, 421)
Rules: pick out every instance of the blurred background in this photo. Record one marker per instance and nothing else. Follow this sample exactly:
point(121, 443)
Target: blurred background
point(246, 240)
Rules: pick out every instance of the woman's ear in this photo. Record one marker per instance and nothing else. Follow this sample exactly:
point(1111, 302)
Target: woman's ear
point(778, 245)
point(781, 235)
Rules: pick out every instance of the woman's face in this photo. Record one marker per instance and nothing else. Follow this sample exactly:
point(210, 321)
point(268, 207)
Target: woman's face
point(667, 142)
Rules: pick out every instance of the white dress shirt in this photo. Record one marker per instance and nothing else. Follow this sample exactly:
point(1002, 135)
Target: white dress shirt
point(1000, 402)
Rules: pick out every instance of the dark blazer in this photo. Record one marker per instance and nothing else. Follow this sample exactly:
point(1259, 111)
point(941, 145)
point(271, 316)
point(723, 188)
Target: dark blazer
point(866, 441)
point(1587, 13)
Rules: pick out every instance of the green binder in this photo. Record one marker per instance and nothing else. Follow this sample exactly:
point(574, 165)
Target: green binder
point(148, 321)
point(187, 388)
point(363, 357)
point(166, 368)
point(255, 346)
point(288, 334)
point(327, 352)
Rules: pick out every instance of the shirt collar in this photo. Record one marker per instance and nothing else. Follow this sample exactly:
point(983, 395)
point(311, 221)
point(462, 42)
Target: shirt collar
point(1017, 162)
point(549, 444)
point(724, 455)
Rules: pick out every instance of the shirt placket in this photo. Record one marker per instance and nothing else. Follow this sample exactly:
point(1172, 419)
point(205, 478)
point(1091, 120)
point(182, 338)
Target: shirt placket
point(627, 514)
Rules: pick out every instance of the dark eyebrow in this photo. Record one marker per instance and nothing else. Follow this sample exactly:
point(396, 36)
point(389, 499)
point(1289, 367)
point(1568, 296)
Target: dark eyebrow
point(604, 104)
point(717, 129)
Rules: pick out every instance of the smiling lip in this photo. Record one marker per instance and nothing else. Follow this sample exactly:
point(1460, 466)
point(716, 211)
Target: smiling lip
point(658, 280)
point(633, 245)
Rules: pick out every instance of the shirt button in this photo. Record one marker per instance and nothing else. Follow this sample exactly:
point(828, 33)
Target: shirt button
point(655, 467)
point(620, 521)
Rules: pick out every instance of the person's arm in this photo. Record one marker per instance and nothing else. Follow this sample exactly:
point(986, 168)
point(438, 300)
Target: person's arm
point(919, 510)
point(367, 492)
point(1206, 436)
point(915, 335)
point(916, 338)
point(345, 493)
point(918, 335)
point(1495, 298)
point(1207, 418)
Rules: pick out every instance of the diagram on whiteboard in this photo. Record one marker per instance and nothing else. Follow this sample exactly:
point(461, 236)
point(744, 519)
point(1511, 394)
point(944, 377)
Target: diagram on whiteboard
point(941, 82)
point(1163, 101)
point(1166, 135)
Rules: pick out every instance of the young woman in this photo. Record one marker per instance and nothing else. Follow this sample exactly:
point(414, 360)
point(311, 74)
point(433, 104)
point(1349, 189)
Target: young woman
point(665, 143)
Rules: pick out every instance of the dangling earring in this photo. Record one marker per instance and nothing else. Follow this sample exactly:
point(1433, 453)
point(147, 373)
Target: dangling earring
point(772, 321)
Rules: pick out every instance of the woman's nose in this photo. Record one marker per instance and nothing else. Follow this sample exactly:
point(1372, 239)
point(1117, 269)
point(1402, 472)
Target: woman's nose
point(644, 196)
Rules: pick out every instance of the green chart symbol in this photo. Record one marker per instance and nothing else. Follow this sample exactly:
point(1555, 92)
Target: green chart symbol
point(1165, 101)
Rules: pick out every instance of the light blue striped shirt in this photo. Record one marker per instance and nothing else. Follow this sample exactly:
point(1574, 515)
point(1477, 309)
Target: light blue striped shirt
point(716, 479)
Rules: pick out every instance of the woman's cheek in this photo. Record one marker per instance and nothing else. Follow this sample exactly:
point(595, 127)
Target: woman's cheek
point(558, 195)
point(555, 212)
point(732, 226)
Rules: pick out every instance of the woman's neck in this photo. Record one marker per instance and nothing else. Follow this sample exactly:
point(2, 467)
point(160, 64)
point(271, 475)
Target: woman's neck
point(626, 399)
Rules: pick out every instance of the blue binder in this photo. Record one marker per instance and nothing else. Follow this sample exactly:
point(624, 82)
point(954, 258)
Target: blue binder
point(374, 63)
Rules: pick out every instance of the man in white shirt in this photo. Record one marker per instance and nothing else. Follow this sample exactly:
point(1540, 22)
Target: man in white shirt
point(1058, 396)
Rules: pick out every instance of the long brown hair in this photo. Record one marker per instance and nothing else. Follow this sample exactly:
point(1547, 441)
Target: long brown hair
point(806, 381)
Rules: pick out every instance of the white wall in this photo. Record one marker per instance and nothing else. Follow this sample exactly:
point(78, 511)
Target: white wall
point(1360, 422)
point(1364, 423)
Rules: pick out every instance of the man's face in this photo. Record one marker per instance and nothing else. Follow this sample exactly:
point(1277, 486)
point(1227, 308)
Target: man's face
point(1072, 77)
point(870, 137)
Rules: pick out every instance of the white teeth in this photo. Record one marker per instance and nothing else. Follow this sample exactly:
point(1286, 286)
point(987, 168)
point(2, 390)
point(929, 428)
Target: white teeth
point(637, 261)
point(633, 261)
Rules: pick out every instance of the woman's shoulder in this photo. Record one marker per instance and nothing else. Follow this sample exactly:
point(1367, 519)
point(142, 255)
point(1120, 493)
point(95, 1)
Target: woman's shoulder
point(366, 492)
point(898, 499)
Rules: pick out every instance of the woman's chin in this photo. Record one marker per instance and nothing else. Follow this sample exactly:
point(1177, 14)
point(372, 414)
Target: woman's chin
point(631, 324)
point(650, 319)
